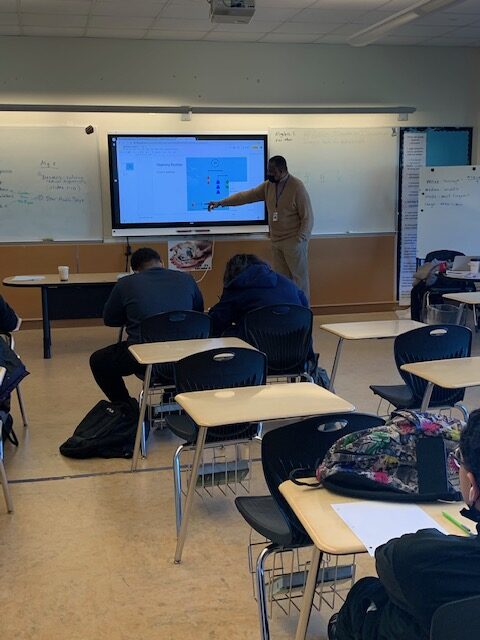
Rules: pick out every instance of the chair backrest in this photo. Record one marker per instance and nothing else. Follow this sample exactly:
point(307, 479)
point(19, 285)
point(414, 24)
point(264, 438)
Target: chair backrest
point(443, 254)
point(456, 620)
point(221, 369)
point(303, 445)
point(173, 325)
point(433, 342)
point(284, 333)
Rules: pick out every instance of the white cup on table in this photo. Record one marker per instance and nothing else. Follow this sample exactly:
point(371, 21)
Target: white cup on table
point(63, 273)
point(474, 266)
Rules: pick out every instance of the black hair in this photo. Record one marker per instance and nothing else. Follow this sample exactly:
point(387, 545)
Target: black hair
point(279, 162)
point(142, 257)
point(238, 263)
point(470, 444)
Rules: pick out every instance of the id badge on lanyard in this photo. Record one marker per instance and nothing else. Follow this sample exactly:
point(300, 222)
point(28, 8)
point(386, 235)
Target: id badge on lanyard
point(275, 216)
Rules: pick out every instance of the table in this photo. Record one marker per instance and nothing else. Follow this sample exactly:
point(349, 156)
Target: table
point(374, 329)
point(151, 353)
point(452, 373)
point(466, 298)
point(219, 407)
point(330, 534)
point(83, 295)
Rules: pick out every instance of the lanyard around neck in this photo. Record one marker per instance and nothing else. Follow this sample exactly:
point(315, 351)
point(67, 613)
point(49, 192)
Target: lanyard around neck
point(278, 192)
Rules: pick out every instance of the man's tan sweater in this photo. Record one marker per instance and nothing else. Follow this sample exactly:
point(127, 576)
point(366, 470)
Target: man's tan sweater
point(294, 217)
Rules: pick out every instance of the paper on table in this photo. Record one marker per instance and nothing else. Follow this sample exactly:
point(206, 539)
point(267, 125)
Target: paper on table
point(27, 278)
point(375, 523)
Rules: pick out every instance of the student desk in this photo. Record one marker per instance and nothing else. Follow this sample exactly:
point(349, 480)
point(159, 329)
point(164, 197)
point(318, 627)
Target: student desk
point(369, 330)
point(151, 353)
point(453, 373)
point(83, 295)
point(330, 534)
point(466, 298)
point(210, 409)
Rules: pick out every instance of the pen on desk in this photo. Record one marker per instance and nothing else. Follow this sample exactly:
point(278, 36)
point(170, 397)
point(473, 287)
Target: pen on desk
point(456, 523)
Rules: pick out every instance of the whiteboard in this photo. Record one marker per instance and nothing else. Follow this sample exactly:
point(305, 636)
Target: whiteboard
point(449, 210)
point(49, 184)
point(350, 174)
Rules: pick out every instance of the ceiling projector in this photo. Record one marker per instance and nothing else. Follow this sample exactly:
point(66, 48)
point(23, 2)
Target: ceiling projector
point(232, 11)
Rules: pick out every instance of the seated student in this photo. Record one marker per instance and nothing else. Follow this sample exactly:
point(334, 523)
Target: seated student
point(147, 292)
point(9, 321)
point(418, 572)
point(250, 283)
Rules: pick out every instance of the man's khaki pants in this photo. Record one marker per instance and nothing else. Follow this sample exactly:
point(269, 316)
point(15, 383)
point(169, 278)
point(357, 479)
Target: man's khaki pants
point(290, 258)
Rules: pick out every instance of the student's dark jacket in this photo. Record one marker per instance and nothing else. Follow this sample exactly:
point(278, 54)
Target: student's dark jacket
point(256, 286)
point(141, 295)
point(8, 317)
point(420, 572)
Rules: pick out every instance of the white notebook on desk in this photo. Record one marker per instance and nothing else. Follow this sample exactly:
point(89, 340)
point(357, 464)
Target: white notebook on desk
point(375, 523)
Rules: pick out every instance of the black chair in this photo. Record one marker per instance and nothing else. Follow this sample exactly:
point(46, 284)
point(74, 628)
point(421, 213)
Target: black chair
point(456, 620)
point(300, 445)
point(447, 255)
point(9, 339)
point(214, 369)
point(284, 333)
point(164, 327)
point(433, 342)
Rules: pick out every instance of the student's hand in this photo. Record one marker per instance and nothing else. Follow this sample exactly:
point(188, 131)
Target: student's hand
point(213, 204)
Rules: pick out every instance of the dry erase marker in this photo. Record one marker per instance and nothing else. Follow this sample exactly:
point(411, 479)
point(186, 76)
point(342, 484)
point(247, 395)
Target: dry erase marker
point(457, 523)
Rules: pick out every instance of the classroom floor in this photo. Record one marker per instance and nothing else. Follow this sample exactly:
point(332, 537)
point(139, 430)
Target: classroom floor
point(87, 555)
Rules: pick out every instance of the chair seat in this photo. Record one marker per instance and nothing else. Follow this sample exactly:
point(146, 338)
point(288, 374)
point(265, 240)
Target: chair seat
point(263, 515)
point(183, 427)
point(397, 394)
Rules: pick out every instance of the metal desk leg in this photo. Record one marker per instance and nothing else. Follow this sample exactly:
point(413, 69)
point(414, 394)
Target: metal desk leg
point(202, 434)
point(307, 600)
point(141, 417)
point(426, 397)
point(335, 363)
point(461, 308)
point(47, 340)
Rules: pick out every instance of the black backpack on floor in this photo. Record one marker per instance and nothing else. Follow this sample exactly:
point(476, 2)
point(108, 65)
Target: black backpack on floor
point(107, 431)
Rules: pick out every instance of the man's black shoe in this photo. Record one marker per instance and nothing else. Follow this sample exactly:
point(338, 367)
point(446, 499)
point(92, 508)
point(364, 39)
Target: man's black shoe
point(332, 627)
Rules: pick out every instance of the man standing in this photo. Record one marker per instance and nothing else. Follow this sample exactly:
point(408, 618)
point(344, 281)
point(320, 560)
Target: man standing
point(150, 290)
point(290, 218)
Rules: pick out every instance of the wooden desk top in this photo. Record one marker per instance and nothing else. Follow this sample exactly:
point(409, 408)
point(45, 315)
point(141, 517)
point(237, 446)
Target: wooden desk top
point(265, 402)
point(172, 351)
point(329, 533)
point(463, 275)
point(469, 297)
point(371, 329)
point(52, 279)
point(454, 373)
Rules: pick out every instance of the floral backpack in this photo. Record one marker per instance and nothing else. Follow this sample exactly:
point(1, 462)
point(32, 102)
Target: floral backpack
point(407, 459)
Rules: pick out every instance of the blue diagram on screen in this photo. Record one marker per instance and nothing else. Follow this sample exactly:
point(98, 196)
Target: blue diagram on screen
point(210, 179)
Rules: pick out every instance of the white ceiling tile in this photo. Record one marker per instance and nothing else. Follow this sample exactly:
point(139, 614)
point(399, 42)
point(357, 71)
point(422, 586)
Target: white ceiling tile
point(79, 7)
point(61, 32)
point(305, 27)
point(345, 30)
point(289, 37)
point(372, 17)
point(447, 19)
point(158, 34)
point(53, 20)
point(420, 31)
point(8, 6)
point(399, 40)
point(8, 19)
point(189, 10)
point(248, 28)
point(136, 8)
point(467, 32)
point(177, 24)
point(332, 39)
point(349, 5)
point(130, 34)
point(321, 15)
point(119, 22)
point(231, 36)
point(468, 6)
point(10, 30)
point(397, 5)
point(284, 4)
point(271, 14)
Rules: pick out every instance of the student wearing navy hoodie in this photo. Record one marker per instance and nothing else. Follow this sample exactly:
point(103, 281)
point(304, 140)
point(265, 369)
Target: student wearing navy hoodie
point(250, 283)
